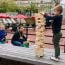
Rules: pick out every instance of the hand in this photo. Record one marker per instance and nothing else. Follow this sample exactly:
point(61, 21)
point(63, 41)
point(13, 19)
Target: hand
point(28, 41)
point(25, 42)
point(43, 13)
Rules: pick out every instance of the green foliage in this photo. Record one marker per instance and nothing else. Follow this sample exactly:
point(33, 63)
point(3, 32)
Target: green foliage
point(31, 8)
point(8, 6)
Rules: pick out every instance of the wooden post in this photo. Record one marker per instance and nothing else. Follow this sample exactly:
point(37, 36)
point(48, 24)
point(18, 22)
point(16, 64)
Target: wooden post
point(39, 42)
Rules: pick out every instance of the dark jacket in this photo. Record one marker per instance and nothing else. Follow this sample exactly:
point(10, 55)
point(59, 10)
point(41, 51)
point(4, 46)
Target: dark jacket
point(17, 35)
point(57, 22)
point(2, 34)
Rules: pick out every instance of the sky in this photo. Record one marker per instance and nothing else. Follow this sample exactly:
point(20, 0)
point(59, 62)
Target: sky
point(63, 3)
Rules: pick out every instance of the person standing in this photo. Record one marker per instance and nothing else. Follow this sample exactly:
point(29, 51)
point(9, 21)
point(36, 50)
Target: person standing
point(56, 29)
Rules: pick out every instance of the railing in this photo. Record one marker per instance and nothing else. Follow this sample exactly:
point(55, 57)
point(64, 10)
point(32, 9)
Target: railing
point(45, 35)
point(27, 29)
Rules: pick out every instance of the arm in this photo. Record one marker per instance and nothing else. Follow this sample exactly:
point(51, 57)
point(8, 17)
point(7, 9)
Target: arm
point(2, 34)
point(24, 38)
point(5, 33)
point(49, 17)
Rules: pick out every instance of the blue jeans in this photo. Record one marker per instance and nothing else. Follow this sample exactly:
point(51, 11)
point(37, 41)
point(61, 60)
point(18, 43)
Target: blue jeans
point(18, 42)
point(3, 40)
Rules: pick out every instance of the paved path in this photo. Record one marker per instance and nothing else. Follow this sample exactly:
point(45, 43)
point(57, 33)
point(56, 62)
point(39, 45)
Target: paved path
point(22, 54)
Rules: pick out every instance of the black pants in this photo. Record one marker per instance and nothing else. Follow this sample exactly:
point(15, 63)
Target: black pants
point(56, 40)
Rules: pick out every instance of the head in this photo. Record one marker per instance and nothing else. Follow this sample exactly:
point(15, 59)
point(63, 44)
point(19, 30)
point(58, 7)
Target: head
point(20, 28)
point(2, 26)
point(58, 10)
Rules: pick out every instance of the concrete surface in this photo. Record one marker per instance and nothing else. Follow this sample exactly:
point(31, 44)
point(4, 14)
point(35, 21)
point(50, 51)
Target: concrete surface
point(27, 55)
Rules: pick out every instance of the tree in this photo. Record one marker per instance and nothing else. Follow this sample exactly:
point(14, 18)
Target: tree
point(7, 6)
point(56, 1)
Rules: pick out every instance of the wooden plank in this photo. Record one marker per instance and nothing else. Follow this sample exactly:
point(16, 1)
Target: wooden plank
point(21, 54)
point(27, 55)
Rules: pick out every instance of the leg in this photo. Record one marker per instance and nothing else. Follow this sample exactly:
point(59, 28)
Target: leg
point(56, 40)
point(3, 40)
point(21, 41)
point(16, 43)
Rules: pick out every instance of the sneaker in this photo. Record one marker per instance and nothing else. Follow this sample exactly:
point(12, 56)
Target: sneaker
point(59, 57)
point(55, 59)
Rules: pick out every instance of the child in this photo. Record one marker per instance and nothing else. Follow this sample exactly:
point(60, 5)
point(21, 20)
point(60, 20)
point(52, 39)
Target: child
point(2, 33)
point(18, 38)
point(56, 29)
point(48, 23)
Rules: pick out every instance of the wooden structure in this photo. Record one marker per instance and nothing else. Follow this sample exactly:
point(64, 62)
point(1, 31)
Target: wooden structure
point(39, 42)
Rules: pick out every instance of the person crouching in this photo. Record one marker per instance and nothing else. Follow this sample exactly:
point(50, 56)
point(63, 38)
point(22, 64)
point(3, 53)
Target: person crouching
point(18, 38)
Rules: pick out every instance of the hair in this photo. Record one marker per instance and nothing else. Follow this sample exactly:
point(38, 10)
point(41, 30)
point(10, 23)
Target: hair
point(20, 26)
point(56, 4)
point(59, 9)
point(2, 25)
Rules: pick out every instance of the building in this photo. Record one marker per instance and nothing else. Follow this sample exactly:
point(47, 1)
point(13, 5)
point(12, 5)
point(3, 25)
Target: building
point(27, 2)
point(22, 2)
